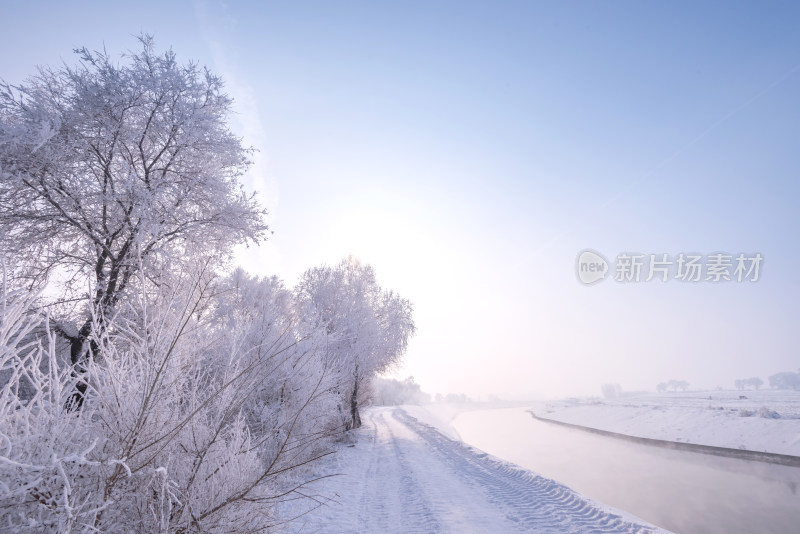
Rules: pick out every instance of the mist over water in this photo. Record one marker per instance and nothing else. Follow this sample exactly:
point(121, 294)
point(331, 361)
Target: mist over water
point(684, 492)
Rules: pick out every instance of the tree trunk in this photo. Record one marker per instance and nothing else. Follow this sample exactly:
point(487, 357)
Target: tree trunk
point(78, 357)
point(356, 418)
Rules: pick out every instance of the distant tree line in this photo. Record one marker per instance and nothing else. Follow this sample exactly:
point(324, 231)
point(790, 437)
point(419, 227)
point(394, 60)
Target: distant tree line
point(391, 392)
point(453, 398)
point(673, 384)
point(783, 380)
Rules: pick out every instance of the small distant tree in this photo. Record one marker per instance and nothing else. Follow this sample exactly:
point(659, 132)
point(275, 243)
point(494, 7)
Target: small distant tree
point(457, 398)
point(611, 391)
point(755, 382)
point(661, 387)
point(675, 385)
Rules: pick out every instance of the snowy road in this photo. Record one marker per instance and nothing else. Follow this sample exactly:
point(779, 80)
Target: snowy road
point(404, 476)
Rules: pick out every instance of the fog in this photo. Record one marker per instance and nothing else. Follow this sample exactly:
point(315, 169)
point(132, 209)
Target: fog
point(470, 151)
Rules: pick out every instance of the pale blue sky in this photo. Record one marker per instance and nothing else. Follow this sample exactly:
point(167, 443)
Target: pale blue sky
point(470, 150)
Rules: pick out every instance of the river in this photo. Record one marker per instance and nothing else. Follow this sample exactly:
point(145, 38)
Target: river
point(685, 492)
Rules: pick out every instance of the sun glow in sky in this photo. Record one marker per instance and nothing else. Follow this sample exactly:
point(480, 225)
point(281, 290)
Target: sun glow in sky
point(470, 150)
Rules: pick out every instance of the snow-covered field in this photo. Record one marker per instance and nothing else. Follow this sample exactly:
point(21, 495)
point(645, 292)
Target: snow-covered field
point(403, 475)
point(766, 421)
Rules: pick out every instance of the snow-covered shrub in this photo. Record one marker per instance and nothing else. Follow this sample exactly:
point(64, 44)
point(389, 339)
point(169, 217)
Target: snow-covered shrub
point(175, 432)
point(767, 413)
point(50, 468)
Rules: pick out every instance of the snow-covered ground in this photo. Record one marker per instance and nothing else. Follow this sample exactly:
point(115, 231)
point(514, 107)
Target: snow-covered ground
point(767, 420)
point(403, 475)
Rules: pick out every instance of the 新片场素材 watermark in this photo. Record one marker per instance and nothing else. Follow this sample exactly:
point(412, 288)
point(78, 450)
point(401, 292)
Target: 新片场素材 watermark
point(592, 267)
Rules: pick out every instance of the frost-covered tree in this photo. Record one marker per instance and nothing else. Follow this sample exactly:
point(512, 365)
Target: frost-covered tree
point(110, 168)
point(261, 313)
point(785, 380)
point(365, 329)
point(754, 382)
point(683, 385)
point(611, 391)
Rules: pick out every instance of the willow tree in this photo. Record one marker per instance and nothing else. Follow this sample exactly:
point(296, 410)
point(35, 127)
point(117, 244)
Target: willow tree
point(113, 168)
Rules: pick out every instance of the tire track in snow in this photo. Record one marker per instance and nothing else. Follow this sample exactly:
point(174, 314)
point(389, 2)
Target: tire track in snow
point(392, 498)
point(414, 504)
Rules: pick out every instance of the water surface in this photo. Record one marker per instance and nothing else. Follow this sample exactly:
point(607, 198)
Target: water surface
point(682, 491)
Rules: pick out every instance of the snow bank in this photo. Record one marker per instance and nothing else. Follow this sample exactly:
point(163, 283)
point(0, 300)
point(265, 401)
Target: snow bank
point(439, 416)
point(766, 421)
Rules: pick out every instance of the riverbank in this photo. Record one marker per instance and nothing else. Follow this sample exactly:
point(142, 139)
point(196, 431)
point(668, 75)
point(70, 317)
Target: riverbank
point(739, 454)
point(762, 421)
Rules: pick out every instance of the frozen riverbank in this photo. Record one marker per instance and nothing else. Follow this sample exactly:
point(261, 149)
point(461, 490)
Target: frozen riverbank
point(764, 421)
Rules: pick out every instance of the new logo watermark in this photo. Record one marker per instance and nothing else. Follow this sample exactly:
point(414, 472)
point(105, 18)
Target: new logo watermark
point(592, 267)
